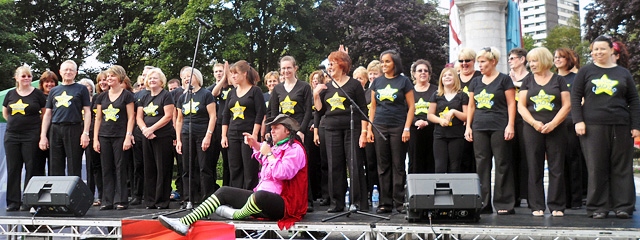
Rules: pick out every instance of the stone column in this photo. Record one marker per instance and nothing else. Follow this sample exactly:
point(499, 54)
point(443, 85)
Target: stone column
point(483, 24)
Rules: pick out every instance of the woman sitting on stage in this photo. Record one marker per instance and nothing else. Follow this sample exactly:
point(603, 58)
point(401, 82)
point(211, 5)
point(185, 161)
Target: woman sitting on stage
point(281, 193)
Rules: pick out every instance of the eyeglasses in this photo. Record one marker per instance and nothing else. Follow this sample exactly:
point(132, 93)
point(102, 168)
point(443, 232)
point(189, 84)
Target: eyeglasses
point(465, 60)
point(423, 71)
point(511, 58)
point(488, 49)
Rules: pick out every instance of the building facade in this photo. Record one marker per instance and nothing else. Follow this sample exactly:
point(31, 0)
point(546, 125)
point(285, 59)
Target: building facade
point(538, 17)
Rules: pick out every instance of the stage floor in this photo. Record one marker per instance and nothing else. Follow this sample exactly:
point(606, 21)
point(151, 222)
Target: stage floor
point(573, 224)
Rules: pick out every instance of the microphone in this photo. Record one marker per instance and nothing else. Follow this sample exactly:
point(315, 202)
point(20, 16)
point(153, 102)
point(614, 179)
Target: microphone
point(203, 23)
point(321, 67)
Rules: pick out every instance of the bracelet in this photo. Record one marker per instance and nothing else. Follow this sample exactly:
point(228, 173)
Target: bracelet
point(129, 133)
point(209, 132)
point(405, 129)
point(85, 133)
point(364, 131)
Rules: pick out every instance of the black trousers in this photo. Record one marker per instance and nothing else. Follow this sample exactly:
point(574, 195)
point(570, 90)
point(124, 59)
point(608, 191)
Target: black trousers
point(391, 168)
point(608, 151)
point(313, 162)
point(271, 204)
point(94, 169)
point(243, 169)
point(421, 158)
point(339, 147)
point(553, 145)
point(372, 166)
point(519, 161)
point(448, 155)
point(217, 149)
point(114, 163)
point(203, 173)
point(158, 163)
point(488, 145)
point(21, 150)
point(179, 172)
point(573, 162)
point(65, 150)
point(468, 164)
point(136, 170)
point(324, 164)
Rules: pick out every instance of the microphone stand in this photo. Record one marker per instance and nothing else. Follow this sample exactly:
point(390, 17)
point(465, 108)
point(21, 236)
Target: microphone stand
point(187, 99)
point(352, 165)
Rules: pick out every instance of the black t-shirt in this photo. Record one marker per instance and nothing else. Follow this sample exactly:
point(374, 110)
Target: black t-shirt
point(610, 97)
point(569, 80)
point(336, 107)
point(391, 105)
point(24, 112)
point(175, 94)
point(114, 114)
point(243, 112)
point(138, 97)
point(456, 127)
point(544, 102)
point(153, 111)
point(94, 106)
point(491, 112)
point(195, 110)
point(422, 100)
point(66, 103)
point(296, 103)
point(221, 100)
point(465, 85)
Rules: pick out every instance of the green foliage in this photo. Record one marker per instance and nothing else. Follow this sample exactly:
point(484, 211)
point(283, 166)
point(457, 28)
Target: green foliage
point(529, 43)
point(564, 36)
point(15, 44)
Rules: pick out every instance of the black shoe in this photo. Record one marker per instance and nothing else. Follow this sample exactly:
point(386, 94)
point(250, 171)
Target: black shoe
point(106, 207)
point(383, 209)
point(622, 215)
point(599, 215)
point(324, 202)
point(13, 208)
point(24, 207)
point(335, 209)
point(135, 201)
point(310, 207)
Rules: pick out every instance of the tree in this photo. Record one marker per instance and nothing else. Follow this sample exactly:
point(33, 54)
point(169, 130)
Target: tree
point(15, 44)
point(564, 36)
point(411, 27)
point(529, 43)
point(619, 19)
point(62, 29)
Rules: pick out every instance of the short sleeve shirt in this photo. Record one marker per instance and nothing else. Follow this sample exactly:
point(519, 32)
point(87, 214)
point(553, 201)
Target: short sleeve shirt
point(114, 114)
point(491, 112)
point(24, 112)
point(391, 105)
point(153, 111)
point(66, 103)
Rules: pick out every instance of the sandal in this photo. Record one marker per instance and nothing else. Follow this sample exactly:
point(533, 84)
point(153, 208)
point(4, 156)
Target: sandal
point(121, 207)
point(97, 202)
point(506, 212)
point(557, 213)
point(538, 213)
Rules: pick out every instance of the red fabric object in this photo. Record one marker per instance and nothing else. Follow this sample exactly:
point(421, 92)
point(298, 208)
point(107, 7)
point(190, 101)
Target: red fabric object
point(153, 230)
point(294, 193)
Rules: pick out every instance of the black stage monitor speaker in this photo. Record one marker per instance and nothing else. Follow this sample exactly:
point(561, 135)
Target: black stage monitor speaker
point(58, 196)
point(443, 197)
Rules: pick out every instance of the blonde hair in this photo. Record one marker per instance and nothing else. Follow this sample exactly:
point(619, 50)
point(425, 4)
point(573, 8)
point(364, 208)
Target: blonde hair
point(163, 78)
point(374, 66)
point(121, 74)
point(20, 70)
point(543, 55)
point(456, 81)
point(467, 53)
point(196, 74)
point(359, 71)
point(490, 53)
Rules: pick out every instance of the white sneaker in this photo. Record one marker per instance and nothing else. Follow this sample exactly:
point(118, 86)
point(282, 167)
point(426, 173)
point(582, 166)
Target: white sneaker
point(225, 211)
point(174, 224)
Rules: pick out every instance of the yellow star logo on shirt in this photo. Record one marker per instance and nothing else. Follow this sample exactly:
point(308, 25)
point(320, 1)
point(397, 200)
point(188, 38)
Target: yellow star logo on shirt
point(604, 85)
point(422, 107)
point(225, 94)
point(483, 100)
point(18, 107)
point(387, 93)
point(517, 94)
point(336, 102)
point(190, 107)
point(238, 111)
point(151, 110)
point(466, 90)
point(63, 99)
point(287, 105)
point(111, 113)
point(444, 112)
point(543, 101)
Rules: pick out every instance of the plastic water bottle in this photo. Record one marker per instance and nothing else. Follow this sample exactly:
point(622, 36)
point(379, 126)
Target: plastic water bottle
point(346, 199)
point(375, 197)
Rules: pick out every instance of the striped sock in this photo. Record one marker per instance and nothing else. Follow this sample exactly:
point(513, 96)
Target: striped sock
point(248, 209)
point(207, 207)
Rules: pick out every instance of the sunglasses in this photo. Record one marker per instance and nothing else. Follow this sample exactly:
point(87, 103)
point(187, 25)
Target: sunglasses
point(464, 60)
point(422, 71)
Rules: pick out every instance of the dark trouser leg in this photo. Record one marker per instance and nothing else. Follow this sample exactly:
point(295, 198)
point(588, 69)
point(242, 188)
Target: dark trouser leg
point(556, 147)
point(441, 154)
point(503, 194)
point(216, 148)
point(468, 164)
point(421, 159)
point(391, 168)
point(324, 165)
point(356, 168)
point(519, 163)
point(336, 158)
point(236, 178)
point(150, 172)
point(57, 160)
point(108, 169)
point(535, 151)
point(207, 167)
point(622, 171)
point(158, 189)
point(73, 149)
point(251, 167)
point(121, 159)
point(573, 167)
point(190, 173)
point(137, 180)
point(13, 150)
point(313, 163)
point(483, 154)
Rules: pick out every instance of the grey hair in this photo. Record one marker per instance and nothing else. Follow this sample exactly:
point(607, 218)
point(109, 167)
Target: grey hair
point(86, 81)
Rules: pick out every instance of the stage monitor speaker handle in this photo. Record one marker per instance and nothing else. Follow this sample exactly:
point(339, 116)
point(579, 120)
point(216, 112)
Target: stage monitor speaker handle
point(58, 196)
